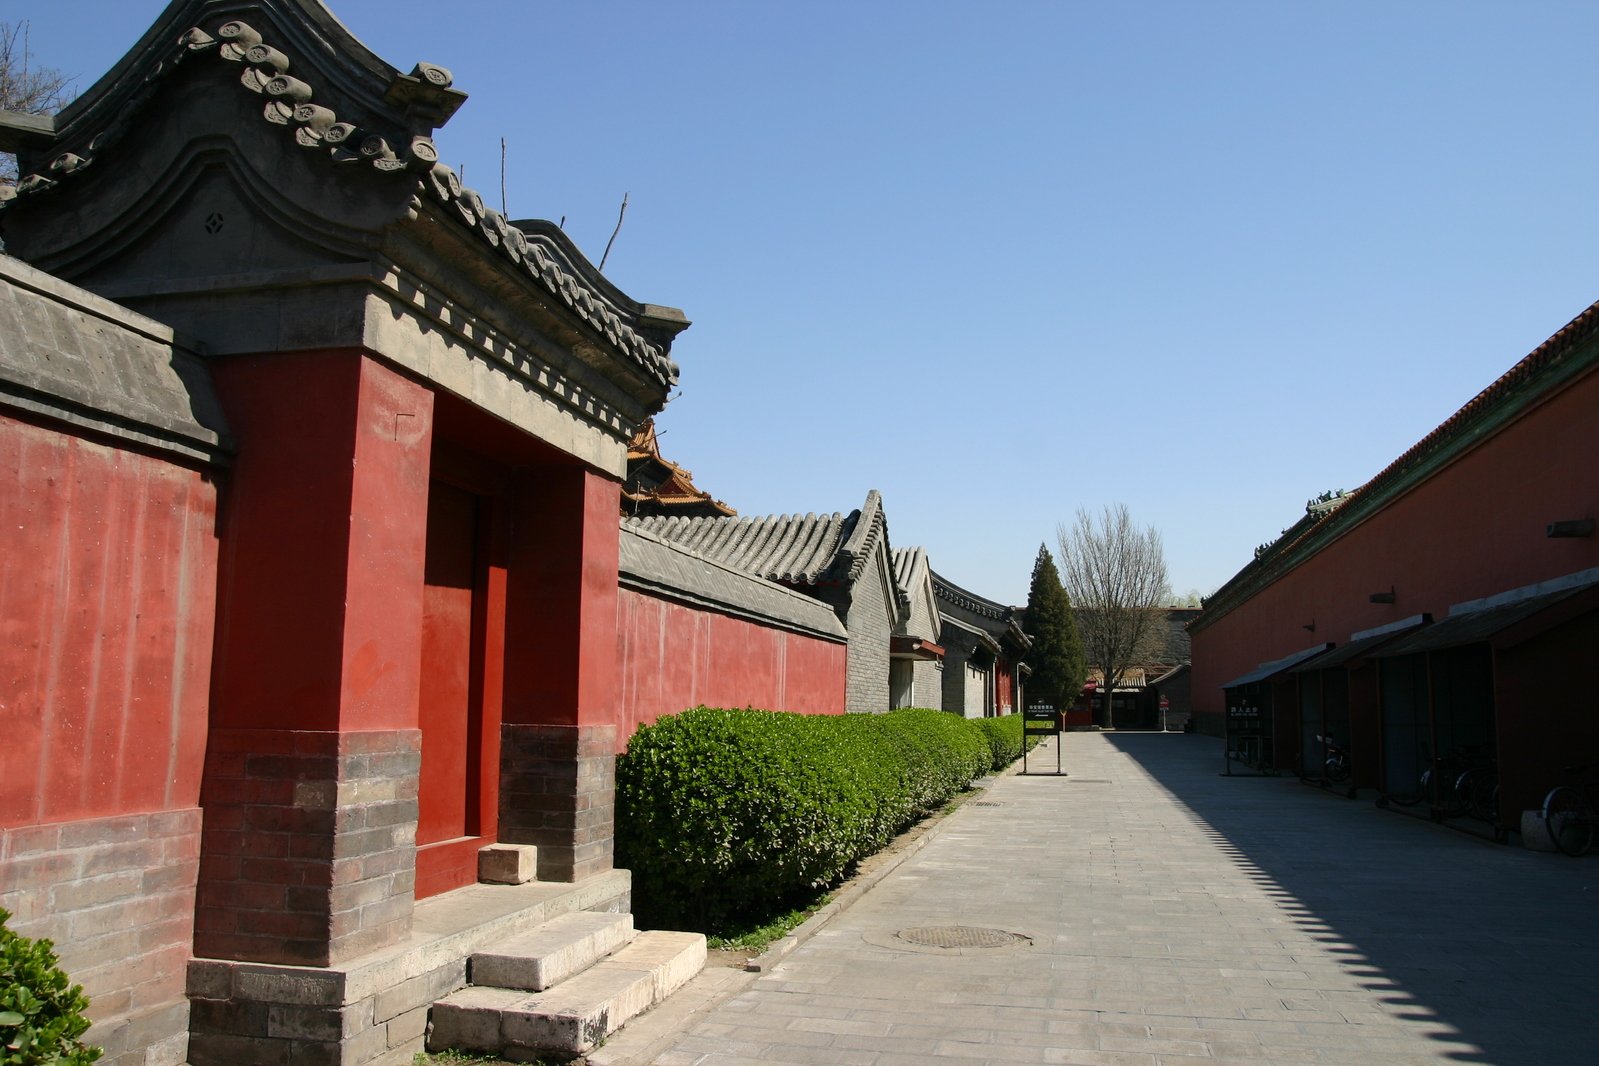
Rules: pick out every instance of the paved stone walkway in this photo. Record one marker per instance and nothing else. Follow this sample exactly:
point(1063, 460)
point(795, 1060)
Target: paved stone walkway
point(1180, 917)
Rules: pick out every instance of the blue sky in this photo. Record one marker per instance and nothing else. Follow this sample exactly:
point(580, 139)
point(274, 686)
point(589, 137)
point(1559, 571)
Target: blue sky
point(1004, 260)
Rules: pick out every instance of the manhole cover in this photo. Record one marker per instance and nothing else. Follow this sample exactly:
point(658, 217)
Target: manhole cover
point(954, 937)
point(986, 803)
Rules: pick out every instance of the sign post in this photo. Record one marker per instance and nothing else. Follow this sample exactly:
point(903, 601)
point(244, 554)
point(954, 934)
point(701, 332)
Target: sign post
point(1042, 720)
point(1165, 705)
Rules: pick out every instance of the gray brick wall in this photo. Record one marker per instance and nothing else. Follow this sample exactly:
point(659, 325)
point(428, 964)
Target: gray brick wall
point(116, 895)
point(958, 647)
point(866, 689)
point(929, 684)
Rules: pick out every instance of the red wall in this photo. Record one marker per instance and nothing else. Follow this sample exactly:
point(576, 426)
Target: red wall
point(561, 599)
point(324, 532)
point(107, 595)
point(1474, 529)
point(674, 657)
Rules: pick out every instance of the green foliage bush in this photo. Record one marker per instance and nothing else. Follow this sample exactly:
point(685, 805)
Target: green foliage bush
point(41, 1012)
point(731, 816)
point(1004, 738)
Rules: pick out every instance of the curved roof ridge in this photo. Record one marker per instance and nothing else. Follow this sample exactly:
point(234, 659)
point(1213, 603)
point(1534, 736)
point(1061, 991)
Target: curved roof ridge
point(361, 72)
point(870, 528)
point(869, 524)
point(946, 589)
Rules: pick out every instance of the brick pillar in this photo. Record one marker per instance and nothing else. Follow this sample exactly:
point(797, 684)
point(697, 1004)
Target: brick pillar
point(558, 747)
point(309, 844)
point(558, 790)
point(308, 850)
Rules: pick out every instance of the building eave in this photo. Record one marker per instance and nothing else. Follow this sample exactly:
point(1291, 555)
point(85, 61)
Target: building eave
point(1571, 353)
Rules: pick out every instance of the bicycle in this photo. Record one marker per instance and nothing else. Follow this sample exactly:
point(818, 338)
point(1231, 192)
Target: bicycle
point(1568, 813)
point(1336, 768)
point(1478, 788)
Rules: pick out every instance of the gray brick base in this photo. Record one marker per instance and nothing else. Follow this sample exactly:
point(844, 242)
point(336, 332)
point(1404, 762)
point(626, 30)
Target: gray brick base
point(558, 791)
point(309, 852)
point(372, 1009)
point(116, 895)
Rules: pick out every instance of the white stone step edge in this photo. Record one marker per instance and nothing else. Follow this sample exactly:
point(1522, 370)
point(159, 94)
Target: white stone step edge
point(544, 957)
point(577, 1014)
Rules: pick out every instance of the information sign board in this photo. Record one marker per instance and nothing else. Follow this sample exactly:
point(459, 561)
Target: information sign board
point(1041, 720)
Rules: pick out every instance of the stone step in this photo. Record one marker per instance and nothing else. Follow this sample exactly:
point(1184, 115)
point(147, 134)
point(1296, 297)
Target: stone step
point(577, 1014)
point(548, 955)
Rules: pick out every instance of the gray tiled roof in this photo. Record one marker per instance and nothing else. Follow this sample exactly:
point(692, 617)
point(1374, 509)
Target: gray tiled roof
point(950, 592)
point(71, 355)
point(905, 564)
point(388, 136)
point(998, 620)
point(797, 549)
point(653, 565)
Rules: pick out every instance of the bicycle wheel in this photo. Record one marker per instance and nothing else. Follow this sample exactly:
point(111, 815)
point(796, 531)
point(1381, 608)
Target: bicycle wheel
point(1452, 786)
point(1569, 820)
point(1410, 799)
point(1338, 769)
point(1482, 794)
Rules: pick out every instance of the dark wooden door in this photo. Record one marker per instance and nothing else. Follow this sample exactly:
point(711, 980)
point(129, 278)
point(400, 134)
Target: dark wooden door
point(449, 822)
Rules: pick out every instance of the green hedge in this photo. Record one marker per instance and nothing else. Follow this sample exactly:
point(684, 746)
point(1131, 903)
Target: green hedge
point(41, 1010)
point(1004, 737)
point(730, 816)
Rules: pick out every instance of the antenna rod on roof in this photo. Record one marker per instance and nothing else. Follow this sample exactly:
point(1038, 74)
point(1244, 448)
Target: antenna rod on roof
point(503, 211)
point(619, 216)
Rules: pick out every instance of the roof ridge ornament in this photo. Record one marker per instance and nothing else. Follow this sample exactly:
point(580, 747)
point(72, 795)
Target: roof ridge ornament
point(428, 99)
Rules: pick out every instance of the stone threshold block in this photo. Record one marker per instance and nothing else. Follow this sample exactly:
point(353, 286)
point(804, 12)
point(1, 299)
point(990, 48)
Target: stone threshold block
point(373, 1009)
point(507, 864)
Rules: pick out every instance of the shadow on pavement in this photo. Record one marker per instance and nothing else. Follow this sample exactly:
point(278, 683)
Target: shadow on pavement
point(1496, 947)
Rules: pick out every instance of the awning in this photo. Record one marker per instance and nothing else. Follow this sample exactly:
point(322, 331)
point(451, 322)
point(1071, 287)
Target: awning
point(1265, 670)
point(1173, 672)
point(914, 648)
point(1358, 649)
point(1492, 623)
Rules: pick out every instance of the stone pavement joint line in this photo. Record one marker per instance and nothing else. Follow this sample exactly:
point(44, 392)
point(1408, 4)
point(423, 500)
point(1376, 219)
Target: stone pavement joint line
point(1180, 918)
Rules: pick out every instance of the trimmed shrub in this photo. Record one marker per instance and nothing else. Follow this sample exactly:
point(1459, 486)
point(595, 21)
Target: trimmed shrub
point(41, 1011)
point(1004, 738)
point(731, 816)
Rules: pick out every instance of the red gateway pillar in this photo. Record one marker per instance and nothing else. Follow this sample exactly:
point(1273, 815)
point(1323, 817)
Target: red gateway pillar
point(310, 790)
point(557, 784)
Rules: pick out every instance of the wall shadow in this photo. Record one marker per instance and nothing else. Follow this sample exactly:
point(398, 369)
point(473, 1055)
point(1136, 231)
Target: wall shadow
point(1492, 949)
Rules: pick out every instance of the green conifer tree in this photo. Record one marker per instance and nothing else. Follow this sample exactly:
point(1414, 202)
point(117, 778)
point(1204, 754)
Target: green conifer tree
point(1057, 654)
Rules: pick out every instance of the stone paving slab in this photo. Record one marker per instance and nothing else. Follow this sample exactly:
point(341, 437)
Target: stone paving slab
point(1177, 917)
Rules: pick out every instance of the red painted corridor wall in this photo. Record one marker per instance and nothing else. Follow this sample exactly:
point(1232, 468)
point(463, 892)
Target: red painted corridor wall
point(107, 596)
point(674, 657)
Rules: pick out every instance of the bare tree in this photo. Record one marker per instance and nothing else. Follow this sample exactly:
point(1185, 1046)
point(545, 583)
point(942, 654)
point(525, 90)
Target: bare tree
point(24, 87)
point(1115, 575)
